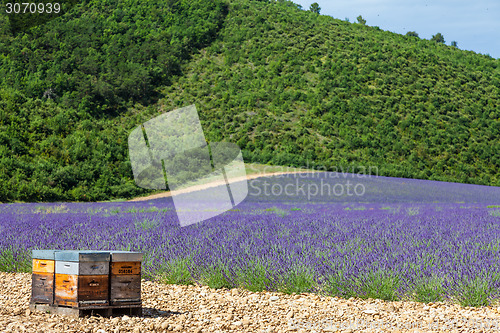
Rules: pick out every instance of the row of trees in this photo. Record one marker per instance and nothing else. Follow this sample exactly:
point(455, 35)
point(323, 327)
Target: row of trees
point(438, 38)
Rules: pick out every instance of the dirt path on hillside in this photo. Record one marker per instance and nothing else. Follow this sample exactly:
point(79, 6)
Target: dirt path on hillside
point(217, 183)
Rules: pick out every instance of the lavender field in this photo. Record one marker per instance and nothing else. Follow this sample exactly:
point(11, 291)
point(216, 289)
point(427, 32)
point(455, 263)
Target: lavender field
point(400, 240)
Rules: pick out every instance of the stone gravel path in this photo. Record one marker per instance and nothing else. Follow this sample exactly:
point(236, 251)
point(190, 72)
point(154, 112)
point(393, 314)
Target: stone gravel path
point(201, 309)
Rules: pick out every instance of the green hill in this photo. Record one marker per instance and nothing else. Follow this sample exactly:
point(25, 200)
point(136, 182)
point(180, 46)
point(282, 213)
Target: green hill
point(289, 86)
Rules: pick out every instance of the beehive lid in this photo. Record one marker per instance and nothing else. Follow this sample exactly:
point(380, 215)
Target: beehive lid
point(44, 254)
point(82, 256)
point(117, 256)
point(124, 256)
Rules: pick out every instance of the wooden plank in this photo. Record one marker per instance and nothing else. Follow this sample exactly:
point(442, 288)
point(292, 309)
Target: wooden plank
point(81, 290)
point(94, 268)
point(67, 267)
point(43, 266)
point(128, 268)
point(93, 288)
point(66, 290)
point(125, 288)
point(42, 288)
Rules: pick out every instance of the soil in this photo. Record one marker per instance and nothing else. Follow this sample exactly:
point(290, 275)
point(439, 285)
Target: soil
point(175, 308)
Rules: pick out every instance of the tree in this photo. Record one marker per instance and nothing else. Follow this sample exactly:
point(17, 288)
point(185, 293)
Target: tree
point(315, 8)
point(361, 20)
point(412, 34)
point(438, 38)
point(454, 44)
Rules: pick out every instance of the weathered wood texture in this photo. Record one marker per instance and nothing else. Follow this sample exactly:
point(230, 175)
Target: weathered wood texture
point(129, 268)
point(81, 290)
point(125, 289)
point(42, 288)
point(73, 281)
point(43, 266)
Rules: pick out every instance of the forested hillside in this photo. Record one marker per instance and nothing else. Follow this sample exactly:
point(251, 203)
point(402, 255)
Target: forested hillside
point(70, 90)
point(291, 87)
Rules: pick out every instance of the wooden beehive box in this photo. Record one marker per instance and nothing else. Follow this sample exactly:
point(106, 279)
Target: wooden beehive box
point(42, 279)
point(125, 277)
point(81, 278)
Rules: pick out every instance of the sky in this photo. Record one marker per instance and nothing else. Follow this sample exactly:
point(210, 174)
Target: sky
point(473, 24)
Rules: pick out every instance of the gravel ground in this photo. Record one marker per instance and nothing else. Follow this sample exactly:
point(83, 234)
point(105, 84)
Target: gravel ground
point(201, 309)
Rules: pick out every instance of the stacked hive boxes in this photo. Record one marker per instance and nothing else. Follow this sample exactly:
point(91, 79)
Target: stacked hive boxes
point(82, 278)
point(42, 280)
point(86, 280)
point(125, 277)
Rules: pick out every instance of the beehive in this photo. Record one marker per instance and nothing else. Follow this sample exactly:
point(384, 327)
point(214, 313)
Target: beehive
point(125, 277)
point(82, 283)
point(81, 278)
point(42, 279)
